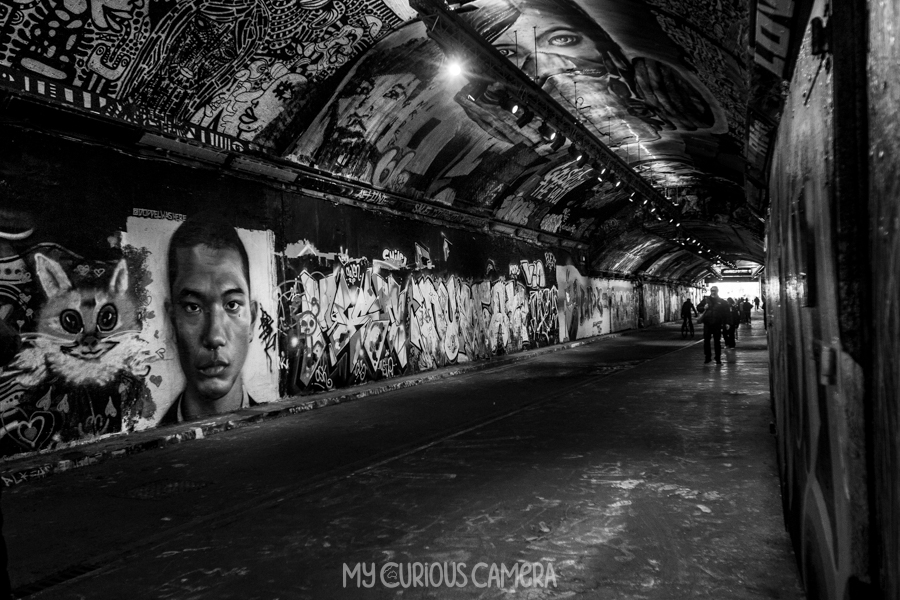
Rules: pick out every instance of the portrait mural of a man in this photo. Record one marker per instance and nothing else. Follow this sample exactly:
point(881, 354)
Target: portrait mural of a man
point(210, 301)
point(213, 316)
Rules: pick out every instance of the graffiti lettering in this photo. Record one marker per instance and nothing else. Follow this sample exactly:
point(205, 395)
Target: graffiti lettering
point(11, 479)
point(395, 258)
point(157, 214)
point(267, 334)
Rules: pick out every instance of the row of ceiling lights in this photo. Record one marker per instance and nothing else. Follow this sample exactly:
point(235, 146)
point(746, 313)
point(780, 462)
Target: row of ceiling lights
point(686, 241)
point(434, 11)
point(549, 134)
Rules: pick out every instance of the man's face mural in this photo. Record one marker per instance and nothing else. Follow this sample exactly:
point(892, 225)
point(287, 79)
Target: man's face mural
point(213, 317)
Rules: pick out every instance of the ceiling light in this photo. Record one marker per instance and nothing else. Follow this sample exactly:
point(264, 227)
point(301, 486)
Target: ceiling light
point(547, 132)
point(510, 105)
point(476, 90)
point(575, 153)
point(454, 68)
point(525, 118)
point(557, 142)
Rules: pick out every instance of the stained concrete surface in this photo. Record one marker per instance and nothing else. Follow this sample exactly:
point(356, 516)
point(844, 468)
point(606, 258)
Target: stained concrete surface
point(629, 466)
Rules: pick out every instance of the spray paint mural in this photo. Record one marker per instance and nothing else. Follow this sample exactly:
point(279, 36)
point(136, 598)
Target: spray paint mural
point(593, 306)
point(134, 317)
point(209, 320)
point(344, 320)
point(81, 367)
point(106, 347)
point(234, 67)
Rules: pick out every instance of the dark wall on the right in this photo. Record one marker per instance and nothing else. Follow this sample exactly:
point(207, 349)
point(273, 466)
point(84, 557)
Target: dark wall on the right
point(833, 284)
point(884, 247)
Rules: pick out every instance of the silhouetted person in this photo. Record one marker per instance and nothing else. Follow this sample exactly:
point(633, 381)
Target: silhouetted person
point(687, 308)
point(756, 302)
point(747, 307)
point(716, 315)
point(730, 323)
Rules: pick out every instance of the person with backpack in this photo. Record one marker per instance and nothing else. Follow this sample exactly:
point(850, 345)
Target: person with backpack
point(687, 323)
point(715, 316)
point(730, 323)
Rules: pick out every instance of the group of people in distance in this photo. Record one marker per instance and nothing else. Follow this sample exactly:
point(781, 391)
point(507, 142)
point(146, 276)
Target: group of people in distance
point(720, 318)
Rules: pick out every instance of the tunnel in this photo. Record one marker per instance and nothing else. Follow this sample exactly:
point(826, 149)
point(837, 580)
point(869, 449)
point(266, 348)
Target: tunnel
point(215, 212)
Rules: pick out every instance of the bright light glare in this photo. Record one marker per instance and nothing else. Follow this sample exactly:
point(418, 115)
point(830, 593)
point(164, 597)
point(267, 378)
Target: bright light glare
point(454, 68)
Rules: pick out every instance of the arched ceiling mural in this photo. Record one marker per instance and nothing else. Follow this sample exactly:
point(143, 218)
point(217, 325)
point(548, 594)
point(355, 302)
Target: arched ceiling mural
point(360, 91)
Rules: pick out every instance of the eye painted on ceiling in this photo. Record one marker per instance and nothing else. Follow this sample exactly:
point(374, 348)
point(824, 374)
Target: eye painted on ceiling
point(564, 39)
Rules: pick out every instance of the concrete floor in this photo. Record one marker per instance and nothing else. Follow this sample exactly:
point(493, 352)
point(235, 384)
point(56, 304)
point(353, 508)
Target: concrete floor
point(626, 466)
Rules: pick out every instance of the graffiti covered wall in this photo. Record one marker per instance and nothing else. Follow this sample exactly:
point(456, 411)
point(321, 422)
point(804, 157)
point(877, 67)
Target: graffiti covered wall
point(344, 321)
point(80, 370)
point(142, 299)
point(594, 306)
point(150, 293)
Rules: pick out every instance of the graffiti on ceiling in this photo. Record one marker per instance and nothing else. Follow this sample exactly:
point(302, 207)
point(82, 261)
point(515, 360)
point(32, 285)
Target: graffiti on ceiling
point(356, 88)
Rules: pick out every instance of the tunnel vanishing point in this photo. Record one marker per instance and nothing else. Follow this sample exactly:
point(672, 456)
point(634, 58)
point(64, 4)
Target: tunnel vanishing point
point(207, 206)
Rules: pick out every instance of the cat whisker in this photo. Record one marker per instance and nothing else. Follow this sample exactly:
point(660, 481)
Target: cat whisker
point(123, 333)
point(31, 336)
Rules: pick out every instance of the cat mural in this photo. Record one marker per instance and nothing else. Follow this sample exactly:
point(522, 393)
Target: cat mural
point(80, 371)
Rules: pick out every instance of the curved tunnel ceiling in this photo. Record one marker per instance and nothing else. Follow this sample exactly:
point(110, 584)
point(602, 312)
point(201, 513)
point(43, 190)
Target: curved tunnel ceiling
point(360, 90)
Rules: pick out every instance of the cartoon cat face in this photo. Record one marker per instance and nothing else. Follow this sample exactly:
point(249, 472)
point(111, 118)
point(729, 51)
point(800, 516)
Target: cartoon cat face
point(88, 331)
point(84, 318)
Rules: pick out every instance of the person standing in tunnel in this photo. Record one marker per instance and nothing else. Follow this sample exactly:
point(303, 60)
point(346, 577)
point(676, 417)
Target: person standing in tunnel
point(687, 311)
point(716, 315)
point(730, 323)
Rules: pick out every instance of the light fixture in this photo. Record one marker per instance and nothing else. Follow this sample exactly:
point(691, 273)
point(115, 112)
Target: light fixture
point(557, 142)
point(578, 155)
point(525, 118)
point(476, 90)
point(511, 105)
point(454, 68)
point(547, 132)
